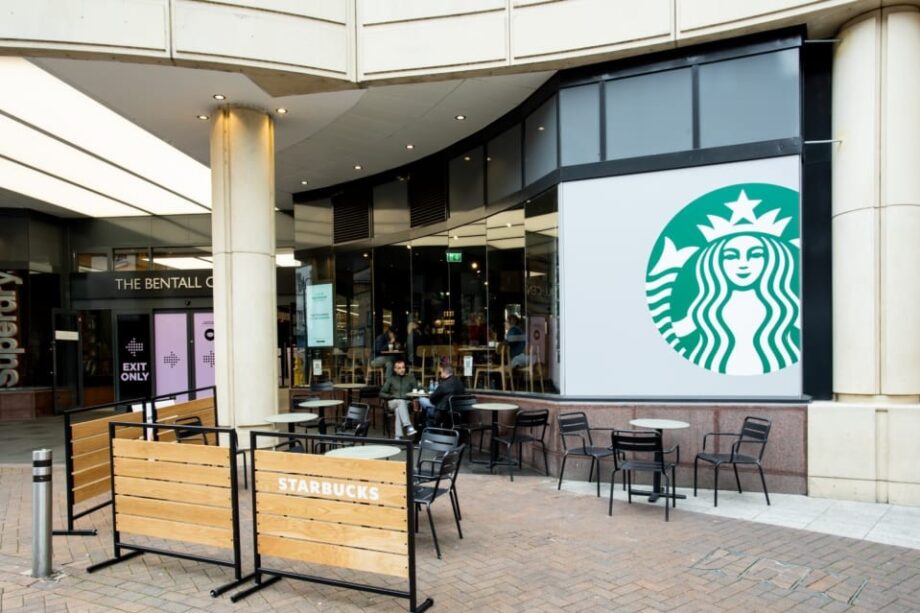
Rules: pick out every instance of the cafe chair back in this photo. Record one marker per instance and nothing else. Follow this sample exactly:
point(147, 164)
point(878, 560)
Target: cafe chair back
point(502, 369)
point(529, 427)
point(577, 441)
point(641, 451)
point(425, 493)
point(747, 449)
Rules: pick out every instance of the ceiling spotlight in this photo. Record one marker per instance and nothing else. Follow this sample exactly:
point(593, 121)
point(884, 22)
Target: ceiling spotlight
point(304, 182)
point(459, 117)
point(202, 117)
point(410, 146)
point(281, 111)
point(474, 265)
point(456, 238)
point(466, 158)
point(358, 166)
point(540, 128)
point(219, 97)
point(408, 246)
point(508, 225)
point(277, 210)
point(488, 158)
point(365, 254)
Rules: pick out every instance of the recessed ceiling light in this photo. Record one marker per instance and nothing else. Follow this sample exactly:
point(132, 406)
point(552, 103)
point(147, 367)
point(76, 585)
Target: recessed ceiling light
point(358, 166)
point(219, 97)
point(410, 146)
point(508, 225)
point(304, 182)
point(466, 158)
point(281, 111)
point(456, 238)
point(202, 117)
point(540, 128)
point(365, 254)
point(489, 158)
point(408, 246)
point(277, 209)
point(459, 117)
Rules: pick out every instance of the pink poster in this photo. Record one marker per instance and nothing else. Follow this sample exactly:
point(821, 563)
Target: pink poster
point(203, 335)
point(170, 332)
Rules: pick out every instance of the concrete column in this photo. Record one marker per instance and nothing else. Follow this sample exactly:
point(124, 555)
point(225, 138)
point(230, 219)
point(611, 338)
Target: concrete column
point(855, 449)
point(243, 239)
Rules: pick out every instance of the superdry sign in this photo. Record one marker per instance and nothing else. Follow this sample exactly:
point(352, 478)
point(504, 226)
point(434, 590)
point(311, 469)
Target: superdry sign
point(11, 349)
point(96, 285)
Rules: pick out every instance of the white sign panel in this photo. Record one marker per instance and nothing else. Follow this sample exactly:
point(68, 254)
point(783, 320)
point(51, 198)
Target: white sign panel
point(683, 283)
point(320, 317)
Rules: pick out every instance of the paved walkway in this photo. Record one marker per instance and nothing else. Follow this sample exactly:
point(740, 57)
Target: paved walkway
point(527, 547)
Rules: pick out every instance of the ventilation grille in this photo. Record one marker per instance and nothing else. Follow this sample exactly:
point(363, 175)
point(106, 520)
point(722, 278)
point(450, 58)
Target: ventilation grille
point(428, 195)
point(351, 215)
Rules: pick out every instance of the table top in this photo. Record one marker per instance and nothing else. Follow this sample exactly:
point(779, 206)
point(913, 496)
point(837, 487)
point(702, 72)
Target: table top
point(392, 352)
point(365, 452)
point(319, 404)
point(476, 348)
point(291, 418)
point(420, 394)
point(659, 424)
point(495, 406)
point(349, 386)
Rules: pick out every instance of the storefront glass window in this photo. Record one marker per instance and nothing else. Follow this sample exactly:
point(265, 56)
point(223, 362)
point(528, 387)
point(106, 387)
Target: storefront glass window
point(182, 258)
point(466, 181)
point(541, 226)
point(580, 123)
point(749, 99)
point(131, 260)
point(92, 262)
point(649, 114)
point(503, 164)
point(354, 315)
point(540, 142)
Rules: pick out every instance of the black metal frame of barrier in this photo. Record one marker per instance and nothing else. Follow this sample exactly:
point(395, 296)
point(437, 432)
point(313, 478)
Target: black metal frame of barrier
point(154, 414)
point(136, 550)
point(68, 462)
point(278, 574)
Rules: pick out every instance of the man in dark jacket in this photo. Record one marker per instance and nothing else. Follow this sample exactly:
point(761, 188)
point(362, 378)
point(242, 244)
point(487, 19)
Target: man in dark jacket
point(395, 391)
point(448, 385)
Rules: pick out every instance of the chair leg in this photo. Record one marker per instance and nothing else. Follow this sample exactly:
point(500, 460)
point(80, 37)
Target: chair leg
point(562, 472)
point(434, 534)
point(696, 465)
point(628, 480)
point(456, 498)
point(245, 472)
point(613, 477)
point(457, 521)
point(737, 478)
point(546, 464)
point(764, 483)
point(715, 491)
point(664, 475)
point(673, 487)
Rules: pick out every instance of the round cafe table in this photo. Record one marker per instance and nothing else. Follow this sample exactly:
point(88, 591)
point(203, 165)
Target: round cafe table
point(365, 452)
point(349, 389)
point(291, 419)
point(495, 408)
point(321, 405)
point(660, 425)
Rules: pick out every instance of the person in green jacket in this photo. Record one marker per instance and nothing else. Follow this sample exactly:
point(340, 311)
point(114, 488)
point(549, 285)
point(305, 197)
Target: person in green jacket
point(395, 391)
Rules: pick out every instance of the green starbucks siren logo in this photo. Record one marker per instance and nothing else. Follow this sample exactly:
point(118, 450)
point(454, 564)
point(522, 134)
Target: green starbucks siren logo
point(723, 280)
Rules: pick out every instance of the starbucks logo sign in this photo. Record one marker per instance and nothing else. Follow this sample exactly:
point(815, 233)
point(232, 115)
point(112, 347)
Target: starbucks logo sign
point(722, 281)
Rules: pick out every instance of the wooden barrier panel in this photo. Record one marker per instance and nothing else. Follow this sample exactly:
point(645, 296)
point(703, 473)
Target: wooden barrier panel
point(89, 460)
point(348, 534)
point(176, 492)
point(200, 412)
point(348, 513)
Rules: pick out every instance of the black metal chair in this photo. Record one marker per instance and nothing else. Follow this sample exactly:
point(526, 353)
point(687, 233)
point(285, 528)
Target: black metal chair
point(643, 443)
point(355, 423)
point(446, 469)
point(575, 425)
point(432, 445)
point(526, 425)
point(184, 435)
point(459, 414)
point(754, 431)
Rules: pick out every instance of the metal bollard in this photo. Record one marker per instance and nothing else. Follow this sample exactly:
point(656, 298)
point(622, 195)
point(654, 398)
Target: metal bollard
point(41, 512)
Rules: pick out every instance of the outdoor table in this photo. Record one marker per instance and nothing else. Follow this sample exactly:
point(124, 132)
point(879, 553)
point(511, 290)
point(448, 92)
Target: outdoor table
point(320, 404)
point(659, 425)
point(349, 389)
point(291, 419)
point(365, 452)
point(495, 408)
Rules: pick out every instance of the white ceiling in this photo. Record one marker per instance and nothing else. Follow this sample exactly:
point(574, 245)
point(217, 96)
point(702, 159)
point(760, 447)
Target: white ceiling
point(321, 137)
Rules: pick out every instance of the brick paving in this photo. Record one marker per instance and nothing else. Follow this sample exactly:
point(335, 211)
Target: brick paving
point(526, 547)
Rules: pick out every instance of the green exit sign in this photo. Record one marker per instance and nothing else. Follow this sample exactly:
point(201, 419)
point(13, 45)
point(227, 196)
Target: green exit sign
point(454, 257)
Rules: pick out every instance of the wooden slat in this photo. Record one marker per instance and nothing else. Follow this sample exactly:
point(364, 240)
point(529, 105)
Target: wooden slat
point(176, 511)
point(351, 491)
point(330, 555)
point(101, 441)
point(327, 466)
point(177, 531)
point(88, 460)
point(172, 452)
point(389, 541)
point(91, 475)
point(101, 425)
point(173, 472)
point(391, 518)
point(91, 490)
point(179, 492)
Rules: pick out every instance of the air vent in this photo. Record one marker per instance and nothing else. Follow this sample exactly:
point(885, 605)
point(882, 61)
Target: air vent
point(428, 194)
point(351, 215)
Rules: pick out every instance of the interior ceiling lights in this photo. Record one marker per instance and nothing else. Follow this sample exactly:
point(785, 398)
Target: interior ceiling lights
point(92, 160)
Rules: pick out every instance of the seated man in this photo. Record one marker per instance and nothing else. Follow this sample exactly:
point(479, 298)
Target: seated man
point(395, 391)
point(448, 385)
point(517, 341)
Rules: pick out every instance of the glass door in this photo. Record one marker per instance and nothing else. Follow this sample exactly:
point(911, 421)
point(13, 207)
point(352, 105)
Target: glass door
point(67, 382)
